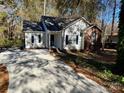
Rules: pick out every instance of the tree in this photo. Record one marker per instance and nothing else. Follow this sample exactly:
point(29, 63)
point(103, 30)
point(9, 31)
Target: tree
point(113, 19)
point(10, 29)
point(87, 8)
point(120, 50)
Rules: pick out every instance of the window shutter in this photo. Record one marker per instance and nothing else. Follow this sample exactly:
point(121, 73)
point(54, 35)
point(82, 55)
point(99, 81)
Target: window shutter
point(32, 39)
point(77, 39)
point(66, 39)
point(39, 37)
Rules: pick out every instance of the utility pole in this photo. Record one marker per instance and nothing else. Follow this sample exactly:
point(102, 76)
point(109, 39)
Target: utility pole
point(44, 7)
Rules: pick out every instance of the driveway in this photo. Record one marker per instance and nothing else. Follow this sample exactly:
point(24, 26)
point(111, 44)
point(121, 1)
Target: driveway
point(36, 71)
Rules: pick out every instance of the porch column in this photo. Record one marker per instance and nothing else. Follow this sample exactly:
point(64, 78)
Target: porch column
point(49, 40)
point(46, 36)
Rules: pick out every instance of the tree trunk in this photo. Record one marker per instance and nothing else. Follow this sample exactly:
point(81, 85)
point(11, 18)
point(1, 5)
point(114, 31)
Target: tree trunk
point(113, 20)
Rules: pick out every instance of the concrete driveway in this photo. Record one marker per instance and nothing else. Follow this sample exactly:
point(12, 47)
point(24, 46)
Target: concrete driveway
point(36, 71)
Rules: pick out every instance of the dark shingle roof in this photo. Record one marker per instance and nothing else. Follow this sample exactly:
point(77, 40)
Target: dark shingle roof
point(51, 23)
point(32, 26)
point(56, 23)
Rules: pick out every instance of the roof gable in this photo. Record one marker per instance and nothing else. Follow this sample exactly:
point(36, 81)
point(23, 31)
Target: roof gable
point(77, 20)
point(93, 26)
point(59, 23)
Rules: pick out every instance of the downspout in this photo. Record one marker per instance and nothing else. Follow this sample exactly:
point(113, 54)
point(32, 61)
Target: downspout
point(63, 38)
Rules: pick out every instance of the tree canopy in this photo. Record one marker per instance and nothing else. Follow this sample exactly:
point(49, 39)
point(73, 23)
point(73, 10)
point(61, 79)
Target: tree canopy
point(87, 8)
point(33, 9)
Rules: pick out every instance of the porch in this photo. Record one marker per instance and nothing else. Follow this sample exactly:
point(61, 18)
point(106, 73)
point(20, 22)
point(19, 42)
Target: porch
point(54, 40)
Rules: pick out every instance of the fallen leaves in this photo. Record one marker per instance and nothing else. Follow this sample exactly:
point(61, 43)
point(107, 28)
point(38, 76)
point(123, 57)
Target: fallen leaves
point(4, 79)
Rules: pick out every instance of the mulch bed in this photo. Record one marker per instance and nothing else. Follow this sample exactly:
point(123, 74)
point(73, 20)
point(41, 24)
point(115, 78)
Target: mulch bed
point(4, 79)
point(110, 59)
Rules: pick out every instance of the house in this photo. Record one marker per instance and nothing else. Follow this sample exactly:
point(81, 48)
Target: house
point(112, 40)
point(114, 37)
point(58, 32)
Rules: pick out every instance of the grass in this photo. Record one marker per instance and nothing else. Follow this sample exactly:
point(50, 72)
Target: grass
point(108, 75)
point(96, 66)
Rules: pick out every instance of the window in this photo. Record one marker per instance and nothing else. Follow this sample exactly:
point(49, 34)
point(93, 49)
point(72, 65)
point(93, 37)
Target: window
point(77, 39)
point(39, 38)
point(32, 39)
point(66, 39)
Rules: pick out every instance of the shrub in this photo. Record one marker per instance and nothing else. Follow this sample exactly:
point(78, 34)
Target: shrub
point(1, 42)
point(3, 15)
point(18, 43)
point(10, 43)
point(2, 28)
point(108, 75)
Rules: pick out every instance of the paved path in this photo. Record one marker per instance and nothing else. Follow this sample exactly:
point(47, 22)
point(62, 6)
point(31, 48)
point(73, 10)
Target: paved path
point(36, 71)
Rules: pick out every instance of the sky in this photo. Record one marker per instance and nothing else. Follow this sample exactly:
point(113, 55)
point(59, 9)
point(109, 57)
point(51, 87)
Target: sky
point(107, 15)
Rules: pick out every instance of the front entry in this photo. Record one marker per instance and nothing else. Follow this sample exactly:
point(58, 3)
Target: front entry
point(51, 40)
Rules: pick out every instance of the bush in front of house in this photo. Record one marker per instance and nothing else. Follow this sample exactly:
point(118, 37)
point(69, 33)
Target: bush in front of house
point(6, 43)
point(18, 43)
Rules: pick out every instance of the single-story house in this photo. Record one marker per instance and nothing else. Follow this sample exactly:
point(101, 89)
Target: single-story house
point(62, 33)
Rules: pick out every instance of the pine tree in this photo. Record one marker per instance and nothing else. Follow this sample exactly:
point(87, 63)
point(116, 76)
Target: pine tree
point(120, 50)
